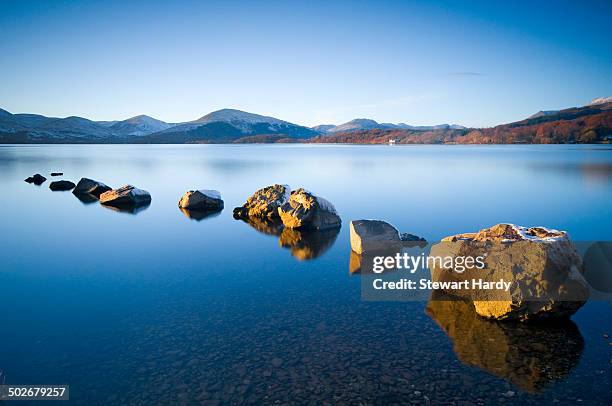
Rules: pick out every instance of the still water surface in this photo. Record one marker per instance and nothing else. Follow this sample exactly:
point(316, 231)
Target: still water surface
point(156, 307)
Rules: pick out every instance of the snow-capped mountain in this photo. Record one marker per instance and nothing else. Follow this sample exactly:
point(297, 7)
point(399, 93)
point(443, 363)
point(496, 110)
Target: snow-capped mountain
point(543, 113)
point(138, 126)
point(363, 124)
point(233, 124)
point(323, 128)
point(600, 100)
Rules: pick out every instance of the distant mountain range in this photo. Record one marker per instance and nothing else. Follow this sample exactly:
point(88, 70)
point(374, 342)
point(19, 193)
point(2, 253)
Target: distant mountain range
point(235, 126)
point(588, 124)
point(360, 124)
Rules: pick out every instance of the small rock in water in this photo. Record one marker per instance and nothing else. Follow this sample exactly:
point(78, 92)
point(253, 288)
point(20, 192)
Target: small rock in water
point(203, 200)
point(372, 235)
point(125, 196)
point(57, 173)
point(37, 179)
point(91, 187)
point(61, 185)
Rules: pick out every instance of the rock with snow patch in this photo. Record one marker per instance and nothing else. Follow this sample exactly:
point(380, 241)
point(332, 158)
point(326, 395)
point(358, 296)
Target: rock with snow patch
point(125, 196)
point(542, 267)
point(306, 211)
point(202, 200)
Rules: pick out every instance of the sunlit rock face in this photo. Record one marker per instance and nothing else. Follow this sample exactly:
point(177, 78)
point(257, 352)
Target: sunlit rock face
point(126, 196)
point(531, 356)
point(264, 203)
point(307, 244)
point(61, 185)
point(372, 235)
point(90, 187)
point(201, 200)
point(542, 265)
point(355, 263)
point(306, 211)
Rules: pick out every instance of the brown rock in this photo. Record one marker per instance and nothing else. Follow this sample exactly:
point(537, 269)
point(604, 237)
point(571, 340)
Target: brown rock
point(542, 266)
point(202, 200)
point(304, 210)
point(126, 195)
point(264, 203)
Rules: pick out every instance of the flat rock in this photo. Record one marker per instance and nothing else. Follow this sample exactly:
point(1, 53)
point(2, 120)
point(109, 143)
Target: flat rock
point(304, 210)
point(372, 235)
point(264, 203)
point(125, 196)
point(91, 187)
point(57, 173)
point(203, 200)
point(37, 179)
point(542, 265)
point(61, 185)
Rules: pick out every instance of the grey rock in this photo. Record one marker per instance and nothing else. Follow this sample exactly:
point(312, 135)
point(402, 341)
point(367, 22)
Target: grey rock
point(127, 195)
point(90, 186)
point(203, 200)
point(61, 185)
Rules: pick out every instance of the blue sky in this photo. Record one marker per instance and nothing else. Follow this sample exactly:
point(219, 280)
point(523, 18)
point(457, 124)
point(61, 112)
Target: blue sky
point(472, 63)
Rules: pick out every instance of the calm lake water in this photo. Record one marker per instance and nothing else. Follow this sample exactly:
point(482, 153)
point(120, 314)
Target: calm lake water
point(155, 307)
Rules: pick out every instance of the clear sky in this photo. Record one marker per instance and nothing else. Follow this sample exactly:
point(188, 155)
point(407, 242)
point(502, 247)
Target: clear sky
point(472, 63)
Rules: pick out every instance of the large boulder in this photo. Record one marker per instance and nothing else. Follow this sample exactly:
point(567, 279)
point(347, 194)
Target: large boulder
point(373, 235)
point(202, 200)
point(37, 179)
point(264, 203)
point(542, 266)
point(304, 210)
point(125, 196)
point(61, 185)
point(91, 187)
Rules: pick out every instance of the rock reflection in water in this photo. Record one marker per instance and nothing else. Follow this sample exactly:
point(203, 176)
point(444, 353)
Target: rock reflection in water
point(308, 244)
point(528, 355)
point(86, 198)
point(199, 215)
point(265, 226)
point(127, 209)
point(304, 244)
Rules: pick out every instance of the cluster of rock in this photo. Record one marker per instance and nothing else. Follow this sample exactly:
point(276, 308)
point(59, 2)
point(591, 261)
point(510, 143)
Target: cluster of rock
point(298, 209)
point(543, 266)
point(305, 223)
point(88, 190)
